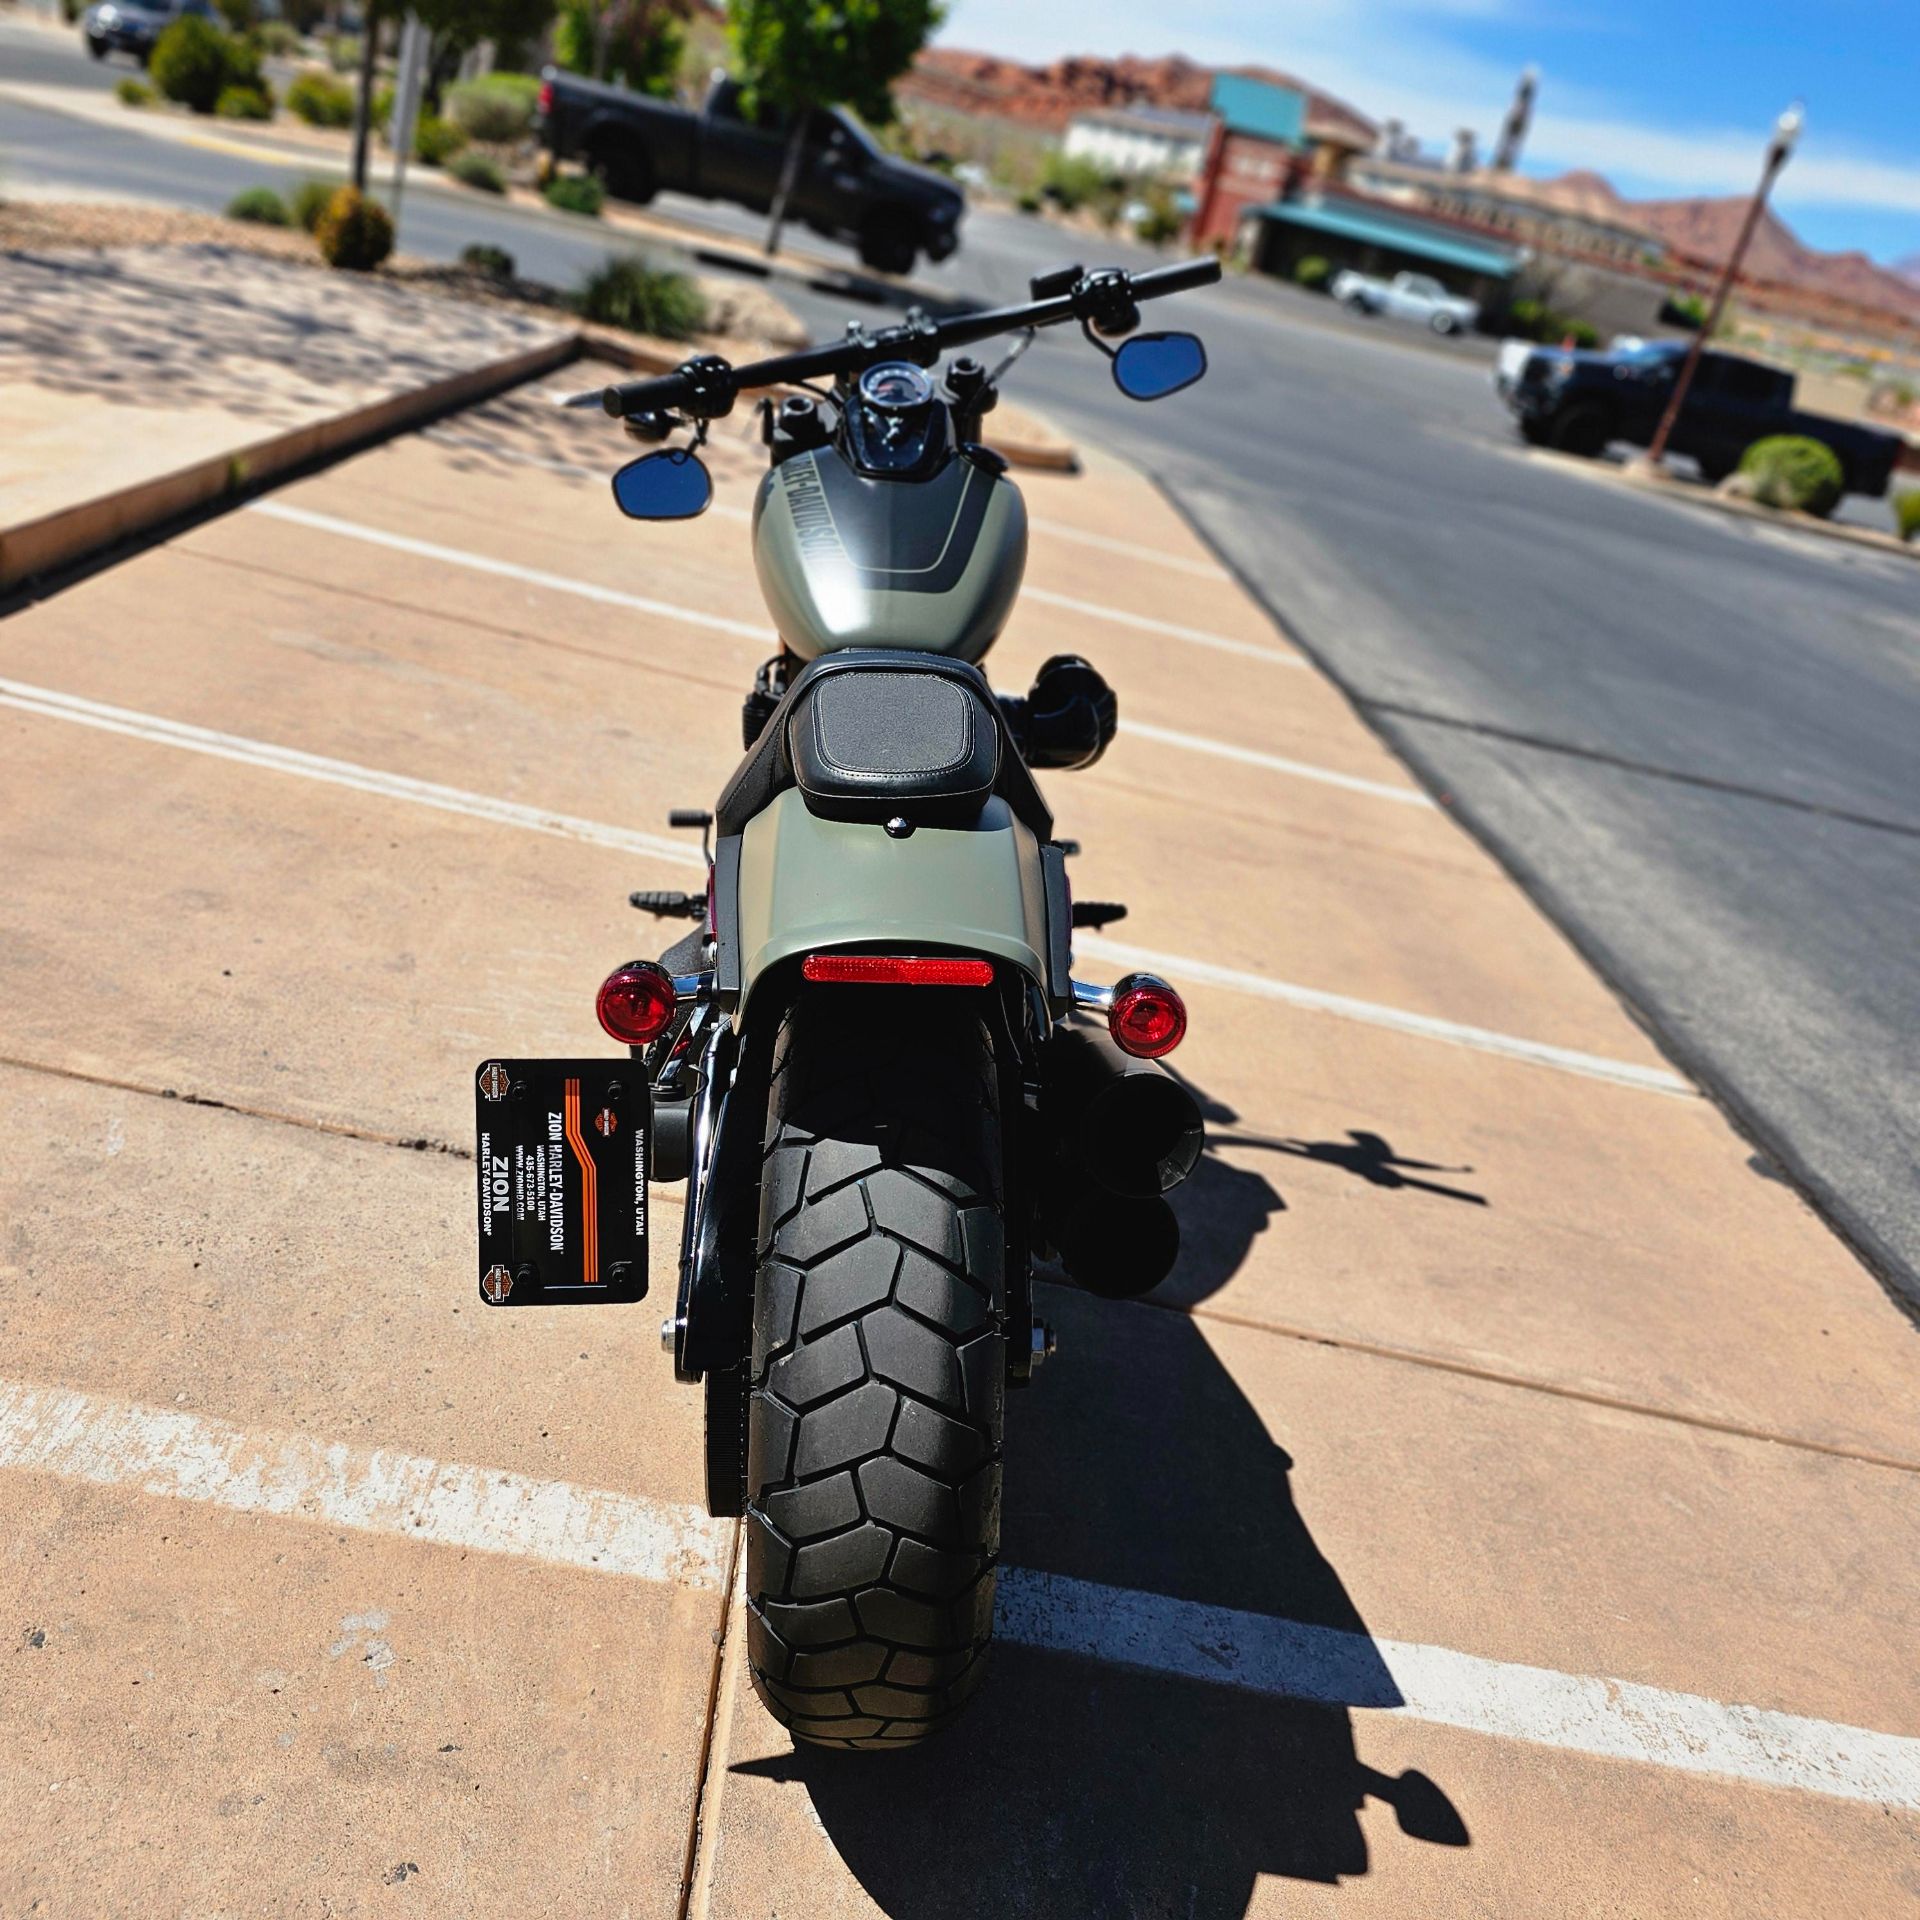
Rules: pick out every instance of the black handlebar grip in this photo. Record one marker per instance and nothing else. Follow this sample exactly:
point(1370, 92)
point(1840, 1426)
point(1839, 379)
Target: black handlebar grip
point(644, 396)
point(1181, 279)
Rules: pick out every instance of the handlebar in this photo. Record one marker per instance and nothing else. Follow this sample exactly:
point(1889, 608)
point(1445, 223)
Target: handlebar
point(706, 387)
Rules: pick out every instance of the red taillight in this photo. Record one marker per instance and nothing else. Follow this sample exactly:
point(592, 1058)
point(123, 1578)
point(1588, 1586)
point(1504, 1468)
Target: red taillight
point(546, 96)
point(895, 970)
point(1147, 1018)
point(636, 1002)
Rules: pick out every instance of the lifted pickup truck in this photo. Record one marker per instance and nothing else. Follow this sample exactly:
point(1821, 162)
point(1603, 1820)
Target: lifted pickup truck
point(1407, 296)
point(1582, 402)
point(846, 186)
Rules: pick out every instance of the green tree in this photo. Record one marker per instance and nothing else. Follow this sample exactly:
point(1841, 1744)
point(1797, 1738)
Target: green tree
point(795, 55)
point(455, 26)
point(635, 43)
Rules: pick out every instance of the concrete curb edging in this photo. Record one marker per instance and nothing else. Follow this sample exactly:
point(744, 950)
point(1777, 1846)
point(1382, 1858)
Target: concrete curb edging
point(1687, 493)
point(72, 533)
point(77, 532)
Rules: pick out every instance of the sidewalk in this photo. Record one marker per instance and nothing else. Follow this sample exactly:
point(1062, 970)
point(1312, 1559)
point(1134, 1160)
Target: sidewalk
point(1507, 1507)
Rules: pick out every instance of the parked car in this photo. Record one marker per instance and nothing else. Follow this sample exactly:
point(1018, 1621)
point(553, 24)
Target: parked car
point(1407, 296)
point(1582, 402)
point(132, 26)
point(846, 187)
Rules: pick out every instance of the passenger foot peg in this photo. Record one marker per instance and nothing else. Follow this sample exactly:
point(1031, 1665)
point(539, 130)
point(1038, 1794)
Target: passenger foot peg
point(671, 906)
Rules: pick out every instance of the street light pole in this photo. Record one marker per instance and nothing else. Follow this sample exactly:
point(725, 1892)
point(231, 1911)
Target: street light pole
point(1786, 131)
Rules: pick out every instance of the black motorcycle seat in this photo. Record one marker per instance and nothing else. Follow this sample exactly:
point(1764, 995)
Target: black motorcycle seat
point(877, 735)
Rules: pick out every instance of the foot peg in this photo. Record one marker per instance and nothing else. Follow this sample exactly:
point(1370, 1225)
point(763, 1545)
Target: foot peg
point(671, 906)
point(1086, 913)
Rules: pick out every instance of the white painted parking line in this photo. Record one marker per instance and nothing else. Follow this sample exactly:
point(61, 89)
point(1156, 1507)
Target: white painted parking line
point(1274, 763)
point(1193, 636)
point(761, 636)
point(1173, 562)
point(186, 1456)
point(1578, 1713)
point(49, 705)
point(1182, 970)
point(168, 1453)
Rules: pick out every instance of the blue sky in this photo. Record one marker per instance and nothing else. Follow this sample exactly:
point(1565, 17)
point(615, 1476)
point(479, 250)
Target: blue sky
point(1662, 96)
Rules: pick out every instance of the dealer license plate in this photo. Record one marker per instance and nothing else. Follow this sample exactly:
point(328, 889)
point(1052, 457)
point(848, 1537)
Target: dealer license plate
point(563, 1150)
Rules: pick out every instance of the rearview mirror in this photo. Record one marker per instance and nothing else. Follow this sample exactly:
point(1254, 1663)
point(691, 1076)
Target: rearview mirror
point(1152, 365)
point(672, 484)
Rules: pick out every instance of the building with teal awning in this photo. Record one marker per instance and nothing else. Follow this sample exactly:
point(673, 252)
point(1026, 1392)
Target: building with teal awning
point(1371, 238)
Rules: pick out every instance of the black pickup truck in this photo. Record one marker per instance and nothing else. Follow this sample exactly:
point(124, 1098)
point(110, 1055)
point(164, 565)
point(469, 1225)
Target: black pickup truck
point(846, 186)
point(1581, 402)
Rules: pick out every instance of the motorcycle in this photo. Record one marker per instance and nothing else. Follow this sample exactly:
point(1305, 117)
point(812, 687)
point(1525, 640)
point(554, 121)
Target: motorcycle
point(869, 1060)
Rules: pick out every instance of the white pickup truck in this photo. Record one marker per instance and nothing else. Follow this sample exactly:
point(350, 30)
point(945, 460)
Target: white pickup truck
point(1407, 296)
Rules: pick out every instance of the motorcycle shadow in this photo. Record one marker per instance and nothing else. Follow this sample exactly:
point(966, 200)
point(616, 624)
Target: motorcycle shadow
point(1073, 1787)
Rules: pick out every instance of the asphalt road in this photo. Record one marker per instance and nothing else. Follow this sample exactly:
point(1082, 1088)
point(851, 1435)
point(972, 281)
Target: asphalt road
point(1693, 737)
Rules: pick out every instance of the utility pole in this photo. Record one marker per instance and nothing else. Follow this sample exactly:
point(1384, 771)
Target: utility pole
point(1786, 130)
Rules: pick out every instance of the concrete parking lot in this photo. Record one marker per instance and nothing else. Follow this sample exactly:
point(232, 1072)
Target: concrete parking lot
point(1507, 1507)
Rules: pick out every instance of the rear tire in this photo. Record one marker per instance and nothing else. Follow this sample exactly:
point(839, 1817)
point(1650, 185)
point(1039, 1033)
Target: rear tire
point(878, 1368)
point(626, 174)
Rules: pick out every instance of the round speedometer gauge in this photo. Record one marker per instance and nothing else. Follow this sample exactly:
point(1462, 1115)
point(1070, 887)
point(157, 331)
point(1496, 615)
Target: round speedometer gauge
point(895, 385)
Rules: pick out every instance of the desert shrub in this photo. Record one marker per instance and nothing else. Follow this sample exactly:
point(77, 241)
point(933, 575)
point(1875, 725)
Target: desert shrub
point(320, 100)
point(495, 262)
point(1072, 181)
point(1906, 514)
point(576, 193)
point(476, 170)
point(1158, 219)
point(353, 231)
point(193, 61)
point(1028, 202)
point(1312, 271)
point(1580, 333)
point(436, 141)
point(278, 40)
point(343, 52)
point(497, 108)
point(133, 93)
point(261, 205)
point(1788, 470)
point(308, 201)
point(643, 298)
point(244, 103)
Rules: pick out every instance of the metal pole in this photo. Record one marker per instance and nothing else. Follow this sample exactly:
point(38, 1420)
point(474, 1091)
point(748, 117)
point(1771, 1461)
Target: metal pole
point(1786, 131)
point(406, 103)
point(363, 99)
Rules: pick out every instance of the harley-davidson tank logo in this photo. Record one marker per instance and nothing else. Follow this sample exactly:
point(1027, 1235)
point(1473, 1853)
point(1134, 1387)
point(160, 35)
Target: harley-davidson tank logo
point(813, 528)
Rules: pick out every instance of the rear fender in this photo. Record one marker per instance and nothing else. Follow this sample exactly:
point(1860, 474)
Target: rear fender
point(806, 885)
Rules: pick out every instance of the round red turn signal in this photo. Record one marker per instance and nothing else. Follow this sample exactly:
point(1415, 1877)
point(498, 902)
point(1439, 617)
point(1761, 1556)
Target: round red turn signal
point(636, 1002)
point(1147, 1018)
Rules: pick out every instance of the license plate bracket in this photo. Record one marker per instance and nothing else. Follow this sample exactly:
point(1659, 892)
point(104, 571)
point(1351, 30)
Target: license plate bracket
point(564, 1148)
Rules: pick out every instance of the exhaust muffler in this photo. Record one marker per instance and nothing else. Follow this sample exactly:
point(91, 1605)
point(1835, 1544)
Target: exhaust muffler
point(1124, 1134)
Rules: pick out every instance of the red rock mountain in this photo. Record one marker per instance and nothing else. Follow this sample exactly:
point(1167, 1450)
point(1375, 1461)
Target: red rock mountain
point(1050, 96)
point(1706, 230)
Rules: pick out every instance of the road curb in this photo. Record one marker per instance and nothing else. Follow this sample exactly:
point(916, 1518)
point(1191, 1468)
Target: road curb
point(68, 534)
point(1686, 493)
